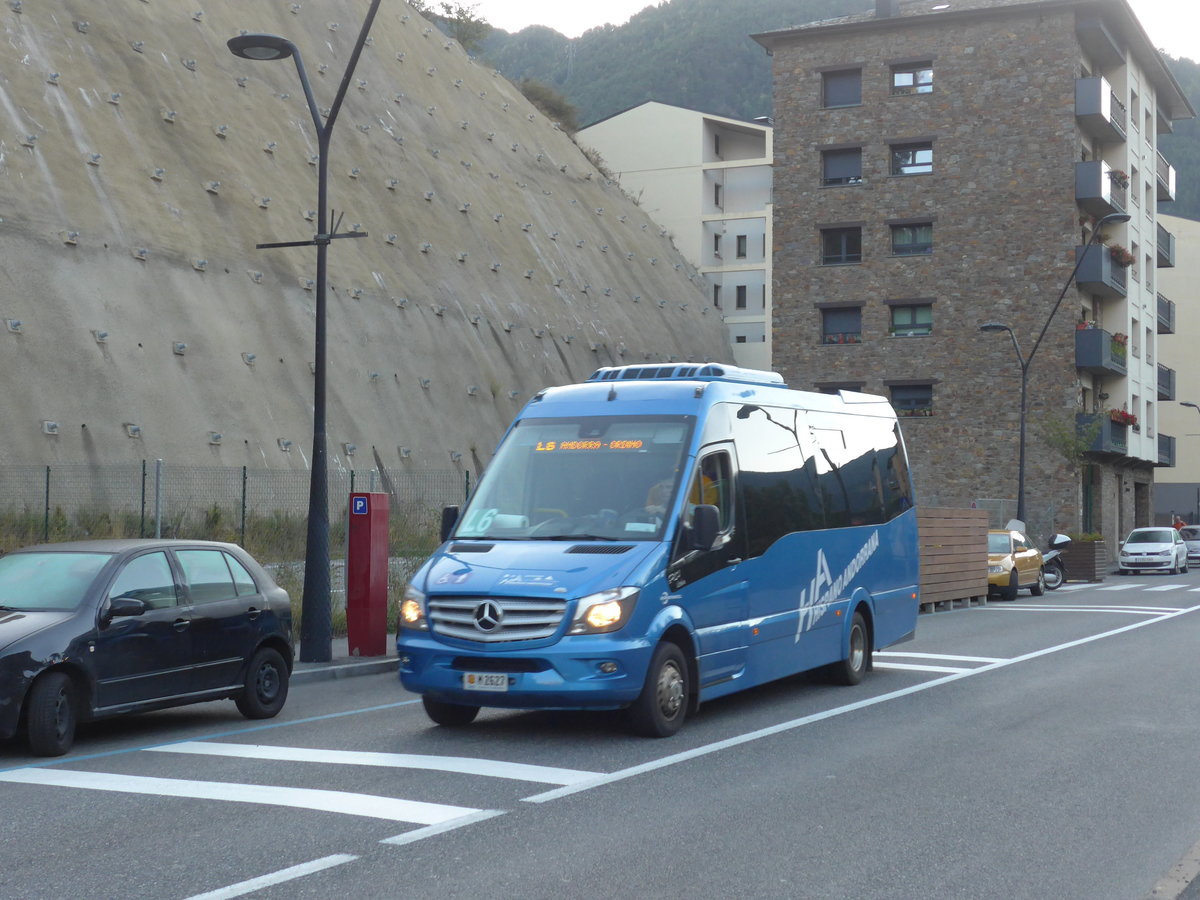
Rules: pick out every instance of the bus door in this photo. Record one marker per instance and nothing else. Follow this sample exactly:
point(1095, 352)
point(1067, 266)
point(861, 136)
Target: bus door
point(710, 582)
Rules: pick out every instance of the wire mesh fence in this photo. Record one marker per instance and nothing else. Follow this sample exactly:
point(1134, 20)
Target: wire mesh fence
point(264, 510)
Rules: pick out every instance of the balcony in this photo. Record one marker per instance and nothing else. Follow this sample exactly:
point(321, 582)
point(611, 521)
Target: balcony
point(1098, 273)
point(1166, 382)
point(1166, 315)
point(1095, 190)
point(1109, 437)
point(1098, 41)
point(1166, 450)
point(1098, 353)
point(1166, 248)
point(1165, 177)
point(1098, 111)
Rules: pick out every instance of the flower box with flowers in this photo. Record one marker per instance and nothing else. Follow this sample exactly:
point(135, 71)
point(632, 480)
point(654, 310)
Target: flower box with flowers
point(1119, 345)
point(1121, 256)
point(1119, 178)
point(1122, 417)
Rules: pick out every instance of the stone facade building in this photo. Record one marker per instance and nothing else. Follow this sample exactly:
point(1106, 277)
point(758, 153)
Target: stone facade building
point(939, 167)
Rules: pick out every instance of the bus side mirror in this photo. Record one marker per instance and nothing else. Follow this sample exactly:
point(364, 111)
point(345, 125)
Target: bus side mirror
point(449, 520)
point(706, 524)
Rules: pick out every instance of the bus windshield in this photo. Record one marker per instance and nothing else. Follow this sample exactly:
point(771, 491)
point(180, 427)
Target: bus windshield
point(598, 478)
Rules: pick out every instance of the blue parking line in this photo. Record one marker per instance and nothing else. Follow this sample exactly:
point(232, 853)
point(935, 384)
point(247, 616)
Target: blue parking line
point(220, 734)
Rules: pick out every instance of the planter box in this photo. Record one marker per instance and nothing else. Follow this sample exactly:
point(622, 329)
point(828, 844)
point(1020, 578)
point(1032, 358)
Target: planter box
point(953, 555)
point(1086, 561)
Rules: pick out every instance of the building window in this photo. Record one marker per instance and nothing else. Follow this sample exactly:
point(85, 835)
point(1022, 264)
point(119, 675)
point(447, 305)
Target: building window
point(717, 195)
point(912, 399)
point(841, 245)
point(841, 166)
point(717, 246)
point(908, 321)
point(912, 240)
point(912, 159)
point(741, 246)
point(842, 325)
point(740, 339)
point(1135, 339)
point(913, 78)
point(740, 302)
point(827, 388)
point(717, 295)
point(717, 146)
point(842, 88)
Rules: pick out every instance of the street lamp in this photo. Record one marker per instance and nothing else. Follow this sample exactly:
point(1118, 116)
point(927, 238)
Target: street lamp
point(1024, 361)
point(315, 625)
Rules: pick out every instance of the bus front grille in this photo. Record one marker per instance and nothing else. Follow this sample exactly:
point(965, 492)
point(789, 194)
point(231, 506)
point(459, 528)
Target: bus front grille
point(495, 619)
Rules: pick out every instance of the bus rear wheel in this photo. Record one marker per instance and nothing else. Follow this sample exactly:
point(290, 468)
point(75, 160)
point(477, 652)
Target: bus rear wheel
point(850, 671)
point(660, 709)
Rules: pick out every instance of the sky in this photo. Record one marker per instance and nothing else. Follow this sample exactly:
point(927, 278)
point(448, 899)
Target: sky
point(1173, 25)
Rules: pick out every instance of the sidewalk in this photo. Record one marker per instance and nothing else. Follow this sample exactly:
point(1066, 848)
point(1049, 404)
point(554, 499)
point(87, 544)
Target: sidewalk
point(342, 664)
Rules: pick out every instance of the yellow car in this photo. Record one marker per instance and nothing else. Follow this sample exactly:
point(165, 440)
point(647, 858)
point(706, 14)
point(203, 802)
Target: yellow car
point(1014, 564)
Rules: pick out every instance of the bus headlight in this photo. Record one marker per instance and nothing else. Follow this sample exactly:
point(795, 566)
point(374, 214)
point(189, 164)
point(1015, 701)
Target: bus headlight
point(605, 611)
point(412, 610)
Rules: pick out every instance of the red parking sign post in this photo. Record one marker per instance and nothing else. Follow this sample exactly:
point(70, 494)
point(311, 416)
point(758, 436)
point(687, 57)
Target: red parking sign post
point(367, 575)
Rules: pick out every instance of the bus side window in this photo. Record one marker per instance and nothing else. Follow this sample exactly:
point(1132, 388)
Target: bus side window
point(711, 484)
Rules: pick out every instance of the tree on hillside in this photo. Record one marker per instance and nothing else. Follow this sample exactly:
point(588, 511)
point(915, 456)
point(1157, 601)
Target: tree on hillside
point(460, 22)
point(554, 105)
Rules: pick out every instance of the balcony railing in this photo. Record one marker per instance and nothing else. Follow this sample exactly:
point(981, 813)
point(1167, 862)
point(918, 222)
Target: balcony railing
point(1166, 382)
point(1098, 110)
point(1166, 315)
point(1095, 190)
point(1166, 248)
point(1097, 352)
point(1098, 273)
point(1166, 450)
point(1165, 178)
point(1110, 437)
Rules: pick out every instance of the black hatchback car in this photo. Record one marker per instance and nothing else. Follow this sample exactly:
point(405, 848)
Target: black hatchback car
point(99, 628)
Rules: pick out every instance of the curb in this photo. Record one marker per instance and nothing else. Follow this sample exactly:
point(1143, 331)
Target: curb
point(306, 673)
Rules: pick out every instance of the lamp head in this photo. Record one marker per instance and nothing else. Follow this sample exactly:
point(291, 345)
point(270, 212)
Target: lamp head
point(260, 46)
point(994, 326)
point(1189, 403)
point(1113, 219)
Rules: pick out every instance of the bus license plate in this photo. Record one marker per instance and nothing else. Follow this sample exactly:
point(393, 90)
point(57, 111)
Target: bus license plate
point(485, 681)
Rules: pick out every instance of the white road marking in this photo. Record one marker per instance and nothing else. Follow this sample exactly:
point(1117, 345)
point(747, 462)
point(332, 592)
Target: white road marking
point(265, 881)
point(421, 833)
point(1078, 586)
point(390, 808)
point(915, 668)
point(1165, 587)
point(896, 653)
point(1122, 587)
point(1120, 610)
point(748, 737)
point(492, 768)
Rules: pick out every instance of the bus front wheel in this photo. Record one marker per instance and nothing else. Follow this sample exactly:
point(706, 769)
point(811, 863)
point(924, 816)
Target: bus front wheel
point(660, 709)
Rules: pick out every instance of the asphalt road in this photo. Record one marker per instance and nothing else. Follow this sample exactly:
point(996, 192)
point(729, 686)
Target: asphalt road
point(1045, 748)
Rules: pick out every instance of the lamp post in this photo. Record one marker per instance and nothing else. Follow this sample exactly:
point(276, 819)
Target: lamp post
point(1026, 360)
point(315, 625)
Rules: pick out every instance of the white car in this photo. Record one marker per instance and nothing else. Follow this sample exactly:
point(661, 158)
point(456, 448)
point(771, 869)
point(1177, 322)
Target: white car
point(1153, 550)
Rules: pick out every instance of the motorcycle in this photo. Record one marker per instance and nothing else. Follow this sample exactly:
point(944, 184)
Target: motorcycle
point(1052, 562)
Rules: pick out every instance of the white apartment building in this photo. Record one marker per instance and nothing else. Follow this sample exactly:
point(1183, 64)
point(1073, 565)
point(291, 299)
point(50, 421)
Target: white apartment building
point(1177, 489)
point(707, 180)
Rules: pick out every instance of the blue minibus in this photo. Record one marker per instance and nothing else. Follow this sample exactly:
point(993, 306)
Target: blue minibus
point(658, 536)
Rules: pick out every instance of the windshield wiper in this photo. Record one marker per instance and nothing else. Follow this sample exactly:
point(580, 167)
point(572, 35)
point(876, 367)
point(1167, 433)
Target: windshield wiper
point(574, 537)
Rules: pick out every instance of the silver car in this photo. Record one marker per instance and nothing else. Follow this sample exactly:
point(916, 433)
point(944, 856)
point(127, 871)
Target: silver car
point(1191, 537)
point(1153, 550)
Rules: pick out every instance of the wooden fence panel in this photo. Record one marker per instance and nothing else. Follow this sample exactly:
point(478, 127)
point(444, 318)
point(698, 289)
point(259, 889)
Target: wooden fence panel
point(953, 546)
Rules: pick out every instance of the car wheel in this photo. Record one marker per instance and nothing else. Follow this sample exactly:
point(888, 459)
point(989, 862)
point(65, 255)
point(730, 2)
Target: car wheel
point(51, 715)
point(1010, 592)
point(850, 671)
point(266, 687)
point(660, 709)
point(451, 714)
point(1039, 586)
